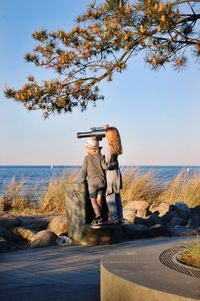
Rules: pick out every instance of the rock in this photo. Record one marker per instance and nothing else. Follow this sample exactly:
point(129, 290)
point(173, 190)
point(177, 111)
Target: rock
point(3, 245)
point(177, 221)
point(152, 208)
point(43, 238)
point(155, 219)
point(157, 230)
point(170, 215)
point(134, 231)
point(183, 210)
point(135, 208)
point(182, 206)
point(195, 210)
point(138, 205)
point(129, 214)
point(58, 225)
point(24, 233)
point(8, 220)
point(194, 222)
point(183, 231)
point(163, 208)
point(141, 213)
point(6, 234)
point(184, 214)
point(139, 221)
point(36, 223)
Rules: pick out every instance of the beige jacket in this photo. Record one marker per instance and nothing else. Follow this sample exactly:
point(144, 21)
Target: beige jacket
point(113, 174)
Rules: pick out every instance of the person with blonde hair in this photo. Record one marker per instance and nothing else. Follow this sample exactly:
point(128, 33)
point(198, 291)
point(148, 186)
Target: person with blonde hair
point(93, 173)
point(113, 174)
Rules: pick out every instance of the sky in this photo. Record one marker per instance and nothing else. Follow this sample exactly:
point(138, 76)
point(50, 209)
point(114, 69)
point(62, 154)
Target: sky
point(157, 113)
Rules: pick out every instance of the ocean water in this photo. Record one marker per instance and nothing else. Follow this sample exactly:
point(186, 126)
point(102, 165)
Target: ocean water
point(39, 176)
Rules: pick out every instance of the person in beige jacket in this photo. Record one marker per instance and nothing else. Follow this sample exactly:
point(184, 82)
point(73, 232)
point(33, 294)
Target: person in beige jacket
point(113, 175)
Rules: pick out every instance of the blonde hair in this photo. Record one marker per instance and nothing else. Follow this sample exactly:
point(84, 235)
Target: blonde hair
point(92, 150)
point(114, 140)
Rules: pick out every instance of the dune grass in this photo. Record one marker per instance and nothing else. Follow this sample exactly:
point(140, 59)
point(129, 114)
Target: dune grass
point(53, 200)
point(17, 198)
point(185, 187)
point(136, 186)
point(191, 256)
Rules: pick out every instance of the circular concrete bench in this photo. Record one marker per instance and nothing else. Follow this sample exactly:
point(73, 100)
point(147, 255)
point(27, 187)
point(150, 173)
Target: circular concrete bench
point(139, 275)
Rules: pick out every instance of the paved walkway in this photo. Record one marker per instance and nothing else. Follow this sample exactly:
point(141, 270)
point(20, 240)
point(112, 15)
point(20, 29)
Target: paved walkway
point(60, 273)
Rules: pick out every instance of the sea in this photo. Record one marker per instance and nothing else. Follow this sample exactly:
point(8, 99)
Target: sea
point(39, 176)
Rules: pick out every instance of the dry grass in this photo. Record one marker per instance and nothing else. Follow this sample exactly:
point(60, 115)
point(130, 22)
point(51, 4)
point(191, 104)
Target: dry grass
point(184, 187)
point(16, 196)
point(53, 200)
point(191, 256)
point(136, 186)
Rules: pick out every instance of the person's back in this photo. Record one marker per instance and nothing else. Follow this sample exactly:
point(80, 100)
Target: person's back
point(92, 172)
point(92, 169)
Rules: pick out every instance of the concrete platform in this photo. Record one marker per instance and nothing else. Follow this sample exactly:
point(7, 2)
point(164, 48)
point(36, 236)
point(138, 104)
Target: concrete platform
point(69, 273)
point(138, 275)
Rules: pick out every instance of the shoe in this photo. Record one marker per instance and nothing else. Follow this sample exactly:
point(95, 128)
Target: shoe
point(97, 221)
point(122, 221)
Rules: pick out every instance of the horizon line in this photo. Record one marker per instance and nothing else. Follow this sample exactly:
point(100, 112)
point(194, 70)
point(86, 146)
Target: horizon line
point(125, 165)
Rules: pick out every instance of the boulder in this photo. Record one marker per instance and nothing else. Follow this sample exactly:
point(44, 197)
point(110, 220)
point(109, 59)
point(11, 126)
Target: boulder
point(194, 222)
point(152, 208)
point(141, 213)
point(134, 231)
point(3, 245)
point(195, 210)
point(163, 208)
point(58, 225)
point(183, 231)
point(157, 230)
point(170, 215)
point(43, 238)
point(8, 220)
point(129, 213)
point(183, 210)
point(24, 233)
point(182, 206)
point(155, 219)
point(177, 221)
point(144, 205)
point(139, 221)
point(6, 234)
point(36, 223)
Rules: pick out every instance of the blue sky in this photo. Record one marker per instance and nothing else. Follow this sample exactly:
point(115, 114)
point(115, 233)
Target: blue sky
point(157, 113)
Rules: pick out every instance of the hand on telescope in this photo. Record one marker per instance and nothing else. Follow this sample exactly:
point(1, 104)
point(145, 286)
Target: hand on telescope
point(106, 126)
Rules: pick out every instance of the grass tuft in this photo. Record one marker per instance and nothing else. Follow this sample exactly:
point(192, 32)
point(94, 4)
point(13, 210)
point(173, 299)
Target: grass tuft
point(191, 256)
point(138, 186)
point(185, 187)
point(53, 200)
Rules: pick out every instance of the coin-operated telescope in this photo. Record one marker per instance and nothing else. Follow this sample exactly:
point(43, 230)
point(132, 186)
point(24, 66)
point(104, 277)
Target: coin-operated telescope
point(97, 132)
